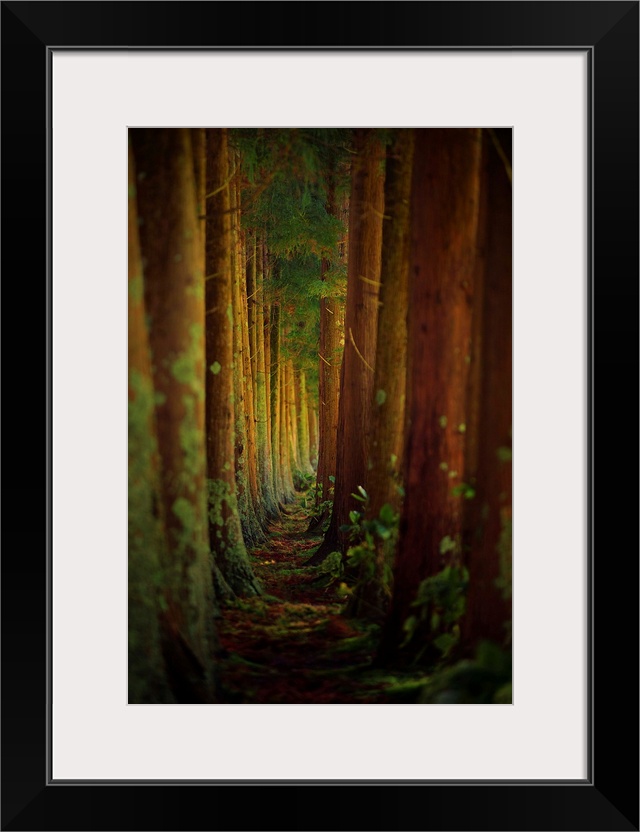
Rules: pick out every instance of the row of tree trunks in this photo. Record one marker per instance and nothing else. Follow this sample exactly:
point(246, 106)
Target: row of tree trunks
point(170, 243)
point(444, 240)
point(304, 446)
point(487, 520)
point(225, 531)
point(361, 316)
point(242, 391)
point(384, 471)
point(330, 360)
point(148, 680)
point(313, 434)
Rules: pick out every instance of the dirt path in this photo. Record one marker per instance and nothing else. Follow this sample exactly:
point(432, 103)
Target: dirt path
point(292, 645)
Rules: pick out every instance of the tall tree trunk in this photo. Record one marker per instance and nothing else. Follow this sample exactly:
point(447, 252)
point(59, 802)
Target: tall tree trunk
point(285, 458)
point(330, 361)
point(262, 434)
point(384, 474)
point(225, 531)
point(304, 451)
point(292, 423)
point(313, 432)
point(249, 394)
point(251, 530)
point(363, 282)
point(174, 301)
point(274, 372)
point(147, 676)
point(266, 339)
point(488, 514)
point(444, 231)
point(198, 142)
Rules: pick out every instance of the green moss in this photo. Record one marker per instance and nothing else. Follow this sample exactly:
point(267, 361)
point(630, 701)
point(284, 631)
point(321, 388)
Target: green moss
point(183, 368)
point(191, 445)
point(196, 290)
point(136, 289)
point(146, 546)
point(185, 512)
point(215, 367)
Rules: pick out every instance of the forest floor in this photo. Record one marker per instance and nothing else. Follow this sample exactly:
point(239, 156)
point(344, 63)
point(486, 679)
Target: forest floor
point(293, 644)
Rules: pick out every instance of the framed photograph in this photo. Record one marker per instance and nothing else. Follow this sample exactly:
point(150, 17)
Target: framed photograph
point(563, 77)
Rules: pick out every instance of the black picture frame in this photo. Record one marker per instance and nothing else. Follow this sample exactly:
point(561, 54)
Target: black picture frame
point(608, 798)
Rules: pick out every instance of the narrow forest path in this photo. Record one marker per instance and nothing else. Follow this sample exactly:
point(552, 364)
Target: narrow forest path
point(292, 644)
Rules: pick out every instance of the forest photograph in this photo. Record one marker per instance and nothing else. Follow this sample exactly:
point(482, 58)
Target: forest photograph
point(320, 416)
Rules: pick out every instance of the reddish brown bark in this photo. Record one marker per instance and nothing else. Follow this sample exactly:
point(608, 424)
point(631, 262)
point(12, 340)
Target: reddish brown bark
point(444, 232)
point(488, 514)
point(384, 470)
point(361, 316)
point(174, 300)
point(147, 677)
point(330, 360)
point(265, 467)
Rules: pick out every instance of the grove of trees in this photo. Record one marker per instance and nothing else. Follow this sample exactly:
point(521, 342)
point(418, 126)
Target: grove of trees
point(320, 327)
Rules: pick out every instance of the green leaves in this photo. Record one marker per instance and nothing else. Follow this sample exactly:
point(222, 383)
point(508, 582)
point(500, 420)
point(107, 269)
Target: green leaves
point(447, 544)
point(464, 490)
point(388, 516)
point(439, 604)
point(362, 496)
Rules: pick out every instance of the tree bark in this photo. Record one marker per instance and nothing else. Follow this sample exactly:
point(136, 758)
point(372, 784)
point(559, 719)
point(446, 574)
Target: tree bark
point(251, 529)
point(304, 452)
point(444, 231)
point(361, 316)
point(274, 372)
point(488, 514)
point(384, 471)
point(147, 676)
point(262, 434)
point(174, 301)
point(330, 361)
point(225, 533)
point(249, 392)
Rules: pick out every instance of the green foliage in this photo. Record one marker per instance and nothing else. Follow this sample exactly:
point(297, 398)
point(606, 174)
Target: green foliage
point(439, 605)
point(329, 570)
point(485, 680)
point(367, 535)
point(504, 581)
point(285, 176)
point(465, 490)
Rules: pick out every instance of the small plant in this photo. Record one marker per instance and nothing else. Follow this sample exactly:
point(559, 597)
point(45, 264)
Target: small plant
point(465, 490)
point(439, 604)
point(367, 536)
point(487, 679)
